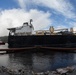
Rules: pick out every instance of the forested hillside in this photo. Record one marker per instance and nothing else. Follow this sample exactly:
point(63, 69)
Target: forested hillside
point(4, 38)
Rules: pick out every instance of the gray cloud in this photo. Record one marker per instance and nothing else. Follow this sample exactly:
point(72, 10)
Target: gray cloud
point(63, 7)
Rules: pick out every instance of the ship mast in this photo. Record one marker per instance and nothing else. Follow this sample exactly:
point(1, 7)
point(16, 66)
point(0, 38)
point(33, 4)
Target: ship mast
point(31, 24)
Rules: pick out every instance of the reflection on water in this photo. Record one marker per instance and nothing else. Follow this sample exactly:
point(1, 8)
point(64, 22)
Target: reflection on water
point(53, 60)
point(38, 61)
point(4, 60)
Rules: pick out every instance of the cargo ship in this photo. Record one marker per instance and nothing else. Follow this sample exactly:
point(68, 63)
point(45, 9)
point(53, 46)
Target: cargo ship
point(25, 36)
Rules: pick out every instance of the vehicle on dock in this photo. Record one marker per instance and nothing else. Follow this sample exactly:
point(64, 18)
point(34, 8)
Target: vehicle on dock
point(2, 43)
point(25, 36)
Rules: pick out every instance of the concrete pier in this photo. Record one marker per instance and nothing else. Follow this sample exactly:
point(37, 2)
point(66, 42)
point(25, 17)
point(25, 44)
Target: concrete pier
point(38, 48)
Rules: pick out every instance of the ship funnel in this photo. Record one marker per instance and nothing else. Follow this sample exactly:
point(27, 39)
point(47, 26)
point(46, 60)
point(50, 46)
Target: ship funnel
point(31, 24)
point(31, 21)
point(51, 29)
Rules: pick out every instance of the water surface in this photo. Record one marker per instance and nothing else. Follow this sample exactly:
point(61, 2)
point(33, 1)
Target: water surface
point(38, 61)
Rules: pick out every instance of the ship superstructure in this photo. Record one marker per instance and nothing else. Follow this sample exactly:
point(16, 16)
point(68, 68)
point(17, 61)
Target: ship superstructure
point(26, 29)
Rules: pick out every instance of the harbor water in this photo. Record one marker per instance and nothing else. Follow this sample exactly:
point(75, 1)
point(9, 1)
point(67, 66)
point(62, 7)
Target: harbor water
point(38, 61)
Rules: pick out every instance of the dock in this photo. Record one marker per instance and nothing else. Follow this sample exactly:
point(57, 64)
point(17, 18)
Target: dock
point(16, 49)
point(38, 48)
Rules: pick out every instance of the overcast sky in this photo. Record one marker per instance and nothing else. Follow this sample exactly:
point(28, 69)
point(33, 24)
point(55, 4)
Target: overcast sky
point(45, 13)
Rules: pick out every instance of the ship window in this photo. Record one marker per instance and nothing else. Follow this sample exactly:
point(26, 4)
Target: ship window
point(25, 24)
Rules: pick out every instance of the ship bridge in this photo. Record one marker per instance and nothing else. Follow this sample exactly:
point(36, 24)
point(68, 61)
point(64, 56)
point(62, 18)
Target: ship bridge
point(26, 29)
